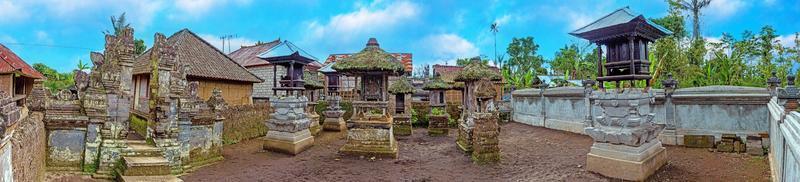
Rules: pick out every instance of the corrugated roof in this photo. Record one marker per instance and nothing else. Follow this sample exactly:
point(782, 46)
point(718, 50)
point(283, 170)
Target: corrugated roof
point(248, 55)
point(204, 60)
point(11, 63)
point(620, 16)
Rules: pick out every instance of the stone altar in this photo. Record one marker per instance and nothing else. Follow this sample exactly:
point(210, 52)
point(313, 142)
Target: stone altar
point(333, 115)
point(288, 126)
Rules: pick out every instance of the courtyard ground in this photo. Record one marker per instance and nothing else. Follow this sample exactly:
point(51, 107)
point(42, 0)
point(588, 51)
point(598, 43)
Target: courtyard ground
point(529, 154)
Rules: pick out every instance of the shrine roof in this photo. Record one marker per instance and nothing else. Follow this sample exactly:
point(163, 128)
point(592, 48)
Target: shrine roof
point(312, 81)
point(477, 70)
point(401, 86)
point(620, 16)
point(436, 83)
point(371, 59)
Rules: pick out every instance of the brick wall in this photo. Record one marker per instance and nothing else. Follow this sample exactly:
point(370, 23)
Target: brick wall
point(28, 154)
point(244, 122)
point(7, 83)
point(264, 89)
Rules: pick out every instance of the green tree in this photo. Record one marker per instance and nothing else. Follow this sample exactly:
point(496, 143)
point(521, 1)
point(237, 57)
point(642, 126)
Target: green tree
point(121, 23)
point(139, 46)
point(55, 81)
point(574, 63)
point(524, 64)
point(83, 66)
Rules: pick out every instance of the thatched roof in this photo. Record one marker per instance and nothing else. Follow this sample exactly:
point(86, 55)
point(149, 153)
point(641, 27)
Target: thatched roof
point(476, 70)
point(204, 60)
point(485, 89)
point(436, 84)
point(311, 80)
point(401, 86)
point(370, 59)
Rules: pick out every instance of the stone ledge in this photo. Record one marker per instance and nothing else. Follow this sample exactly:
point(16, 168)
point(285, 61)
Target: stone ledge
point(626, 169)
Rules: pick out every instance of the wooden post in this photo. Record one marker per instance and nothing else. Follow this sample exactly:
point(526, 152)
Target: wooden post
point(631, 52)
point(600, 65)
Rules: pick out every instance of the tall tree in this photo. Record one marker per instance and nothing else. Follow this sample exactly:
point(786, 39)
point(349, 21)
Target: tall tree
point(493, 27)
point(694, 7)
point(524, 64)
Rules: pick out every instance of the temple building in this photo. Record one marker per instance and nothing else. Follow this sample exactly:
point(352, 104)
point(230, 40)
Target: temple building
point(248, 56)
point(16, 76)
point(448, 74)
point(206, 64)
point(347, 87)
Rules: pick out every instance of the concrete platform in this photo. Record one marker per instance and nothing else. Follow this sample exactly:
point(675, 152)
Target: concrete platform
point(334, 124)
point(289, 143)
point(164, 178)
point(626, 162)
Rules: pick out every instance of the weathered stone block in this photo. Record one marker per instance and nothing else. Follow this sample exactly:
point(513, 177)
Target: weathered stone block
point(376, 142)
point(289, 143)
point(437, 125)
point(698, 141)
point(622, 164)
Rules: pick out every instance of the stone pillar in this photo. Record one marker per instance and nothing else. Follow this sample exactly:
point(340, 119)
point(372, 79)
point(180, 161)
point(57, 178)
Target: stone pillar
point(485, 138)
point(625, 137)
point(773, 83)
point(333, 115)
point(587, 92)
point(288, 126)
point(437, 123)
point(670, 135)
point(313, 118)
point(402, 120)
point(790, 95)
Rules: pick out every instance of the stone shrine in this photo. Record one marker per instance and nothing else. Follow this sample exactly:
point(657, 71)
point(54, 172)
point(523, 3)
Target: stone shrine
point(312, 84)
point(626, 144)
point(478, 128)
point(333, 113)
point(402, 90)
point(370, 129)
point(288, 123)
point(438, 117)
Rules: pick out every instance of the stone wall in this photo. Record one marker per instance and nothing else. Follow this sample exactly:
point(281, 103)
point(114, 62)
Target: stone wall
point(28, 153)
point(264, 89)
point(244, 122)
point(711, 110)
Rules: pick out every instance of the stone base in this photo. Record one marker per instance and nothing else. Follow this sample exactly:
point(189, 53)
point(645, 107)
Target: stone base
point(402, 130)
point(626, 162)
point(314, 128)
point(289, 143)
point(377, 142)
point(334, 124)
point(435, 132)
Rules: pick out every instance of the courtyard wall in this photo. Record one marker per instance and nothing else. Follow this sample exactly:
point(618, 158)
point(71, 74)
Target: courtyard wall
point(244, 122)
point(28, 153)
point(711, 110)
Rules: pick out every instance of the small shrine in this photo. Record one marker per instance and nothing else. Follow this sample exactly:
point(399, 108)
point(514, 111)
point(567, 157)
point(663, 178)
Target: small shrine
point(625, 135)
point(312, 84)
point(369, 130)
point(333, 114)
point(402, 90)
point(438, 116)
point(478, 128)
point(289, 122)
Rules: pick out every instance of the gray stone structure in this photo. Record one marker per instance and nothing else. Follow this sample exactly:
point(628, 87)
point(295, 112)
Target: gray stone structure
point(288, 126)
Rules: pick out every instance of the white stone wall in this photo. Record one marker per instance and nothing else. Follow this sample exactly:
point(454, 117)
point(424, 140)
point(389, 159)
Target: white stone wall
point(264, 89)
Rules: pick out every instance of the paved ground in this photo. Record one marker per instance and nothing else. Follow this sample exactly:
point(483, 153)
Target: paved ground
point(529, 154)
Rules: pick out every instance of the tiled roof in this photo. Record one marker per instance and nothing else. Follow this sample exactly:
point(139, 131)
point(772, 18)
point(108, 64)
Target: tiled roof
point(248, 55)
point(448, 73)
point(405, 58)
point(204, 60)
point(11, 63)
point(620, 16)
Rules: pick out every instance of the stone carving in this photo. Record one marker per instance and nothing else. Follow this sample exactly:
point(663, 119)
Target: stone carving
point(626, 118)
point(333, 115)
point(288, 126)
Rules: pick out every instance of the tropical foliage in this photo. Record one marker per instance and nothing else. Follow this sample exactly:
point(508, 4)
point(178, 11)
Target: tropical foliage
point(524, 64)
point(55, 81)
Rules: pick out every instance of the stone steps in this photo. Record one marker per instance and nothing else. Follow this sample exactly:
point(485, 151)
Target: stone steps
point(144, 166)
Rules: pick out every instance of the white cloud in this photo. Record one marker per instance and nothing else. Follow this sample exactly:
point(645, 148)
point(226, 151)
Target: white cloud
point(448, 46)
point(365, 20)
point(235, 43)
point(787, 40)
point(503, 20)
point(722, 9)
point(11, 12)
point(43, 38)
point(199, 8)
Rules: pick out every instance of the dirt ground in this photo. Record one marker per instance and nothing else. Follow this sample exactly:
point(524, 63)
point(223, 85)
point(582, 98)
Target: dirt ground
point(529, 154)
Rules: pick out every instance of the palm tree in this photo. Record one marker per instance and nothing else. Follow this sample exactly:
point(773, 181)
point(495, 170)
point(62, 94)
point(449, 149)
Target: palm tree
point(493, 28)
point(118, 24)
point(694, 7)
point(83, 66)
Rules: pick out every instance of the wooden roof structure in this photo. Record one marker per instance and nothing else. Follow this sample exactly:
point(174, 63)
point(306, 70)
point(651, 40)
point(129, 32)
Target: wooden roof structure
point(11, 63)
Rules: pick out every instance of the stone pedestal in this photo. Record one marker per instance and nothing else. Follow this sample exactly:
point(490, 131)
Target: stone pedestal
point(314, 126)
point(464, 140)
point(370, 139)
point(485, 142)
point(626, 162)
point(333, 121)
point(402, 125)
point(437, 125)
point(370, 134)
point(626, 145)
point(288, 126)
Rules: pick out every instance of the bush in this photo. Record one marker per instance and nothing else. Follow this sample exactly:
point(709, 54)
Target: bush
point(346, 106)
point(419, 114)
point(438, 111)
point(139, 125)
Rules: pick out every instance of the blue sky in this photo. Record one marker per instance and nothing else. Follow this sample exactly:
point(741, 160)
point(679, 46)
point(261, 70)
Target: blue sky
point(436, 32)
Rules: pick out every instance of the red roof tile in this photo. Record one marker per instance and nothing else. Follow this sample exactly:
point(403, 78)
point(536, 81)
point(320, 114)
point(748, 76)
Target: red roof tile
point(11, 63)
